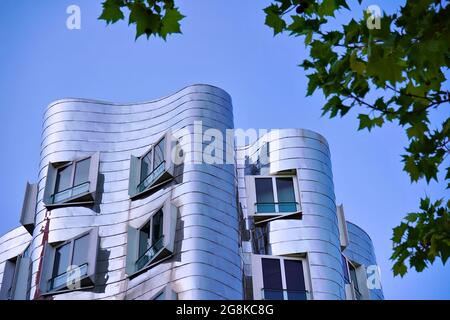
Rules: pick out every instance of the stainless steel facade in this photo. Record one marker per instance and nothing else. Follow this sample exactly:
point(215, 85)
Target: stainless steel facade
point(214, 243)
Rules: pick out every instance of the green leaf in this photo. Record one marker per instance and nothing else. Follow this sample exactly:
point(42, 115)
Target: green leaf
point(171, 22)
point(356, 65)
point(399, 269)
point(274, 20)
point(366, 122)
point(112, 11)
point(327, 8)
point(399, 231)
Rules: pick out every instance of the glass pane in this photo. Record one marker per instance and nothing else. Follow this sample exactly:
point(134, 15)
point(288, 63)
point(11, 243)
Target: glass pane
point(264, 195)
point(80, 250)
point(82, 172)
point(63, 179)
point(353, 277)
point(160, 296)
point(286, 195)
point(159, 154)
point(345, 270)
point(61, 260)
point(295, 280)
point(144, 237)
point(157, 231)
point(273, 287)
point(146, 165)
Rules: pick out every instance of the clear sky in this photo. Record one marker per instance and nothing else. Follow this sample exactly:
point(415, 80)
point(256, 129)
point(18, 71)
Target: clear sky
point(225, 43)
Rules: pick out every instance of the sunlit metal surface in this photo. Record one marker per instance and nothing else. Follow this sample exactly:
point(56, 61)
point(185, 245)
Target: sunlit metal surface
point(209, 261)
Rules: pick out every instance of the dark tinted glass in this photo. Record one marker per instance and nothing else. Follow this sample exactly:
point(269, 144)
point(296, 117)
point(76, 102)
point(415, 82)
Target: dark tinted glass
point(80, 250)
point(286, 195)
point(353, 276)
point(63, 179)
point(273, 287)
point(144, 236)
point(61, 260)
point(264, 195)
point(345, 270)
point(159, 154)
point(157, 231)
point(82, 172)
point(295, 280)
point(146, 165)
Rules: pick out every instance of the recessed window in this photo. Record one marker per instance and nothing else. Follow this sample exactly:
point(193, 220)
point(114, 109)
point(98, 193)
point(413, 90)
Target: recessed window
point(279, 278)
point(72, 182)
point(354, 281)
point(70, 265)
point(153, 168)
point(275, 195)
point(345, 269)
point(152, 241)
point(16, 277)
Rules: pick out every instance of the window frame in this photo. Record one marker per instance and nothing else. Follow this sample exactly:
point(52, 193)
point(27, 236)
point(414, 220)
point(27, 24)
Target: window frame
point(258, 277)
point(169, 218)
point(135, 179)
point(250, 182)
point(353, 292)
point(87, 280)
point(83, 198)
point(167, 293)
point(18, 271)
point(150, 237)
point(354, 282)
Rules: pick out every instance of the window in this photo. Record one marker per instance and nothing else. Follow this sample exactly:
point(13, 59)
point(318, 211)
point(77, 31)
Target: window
point(165, 294)
point(279, 278)
point(72, 182)
point(153, 168)
point(345, 269)
point(70, 265)
point(354, 281)
point(16, 277)
point(272, 195)
point(153, 240)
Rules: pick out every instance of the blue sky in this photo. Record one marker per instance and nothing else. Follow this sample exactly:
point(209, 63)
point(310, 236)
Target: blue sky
point(225, 43)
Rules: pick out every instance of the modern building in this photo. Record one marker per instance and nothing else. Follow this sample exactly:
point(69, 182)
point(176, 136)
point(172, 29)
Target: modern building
point(122, 209)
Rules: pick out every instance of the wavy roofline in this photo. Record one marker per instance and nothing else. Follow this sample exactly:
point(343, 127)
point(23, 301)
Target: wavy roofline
point(104, 102)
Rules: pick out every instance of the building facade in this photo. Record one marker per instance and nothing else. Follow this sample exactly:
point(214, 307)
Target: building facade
point(123, 209)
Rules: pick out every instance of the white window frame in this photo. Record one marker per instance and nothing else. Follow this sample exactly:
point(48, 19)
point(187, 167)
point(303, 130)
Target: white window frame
point(250, 182)
point(258, 280)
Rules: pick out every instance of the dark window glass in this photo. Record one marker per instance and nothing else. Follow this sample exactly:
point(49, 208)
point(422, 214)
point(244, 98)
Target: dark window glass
point(286, 195)
point(63, 179)
point(345, 270)
point(273, 287)
point(146, 165)
point(144, 237)
point(159, 154)
point(264, 195)
point(295, 280)
point(157, 231)
point(61, 260)
point(82, 172)
point(80, 250)
point(353, 277)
